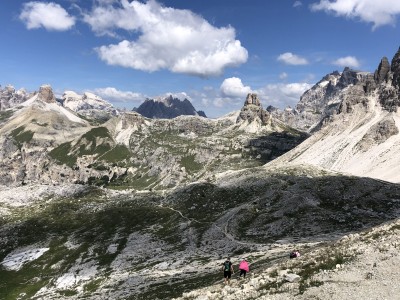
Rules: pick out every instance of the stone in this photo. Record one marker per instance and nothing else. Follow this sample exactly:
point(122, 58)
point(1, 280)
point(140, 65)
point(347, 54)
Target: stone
point(292, 277)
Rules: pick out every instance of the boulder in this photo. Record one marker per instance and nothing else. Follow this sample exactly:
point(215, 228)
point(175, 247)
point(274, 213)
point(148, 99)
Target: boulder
point(292, 277)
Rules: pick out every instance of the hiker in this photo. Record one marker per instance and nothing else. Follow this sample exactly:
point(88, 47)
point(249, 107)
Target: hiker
point(294, 254)
point(227, 267)
point(243, 268)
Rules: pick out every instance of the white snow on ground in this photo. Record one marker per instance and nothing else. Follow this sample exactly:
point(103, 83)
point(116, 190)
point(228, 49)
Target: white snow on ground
point(16, 259)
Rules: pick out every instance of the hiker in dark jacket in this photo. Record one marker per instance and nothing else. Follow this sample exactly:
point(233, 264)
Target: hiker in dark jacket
point(227, 267)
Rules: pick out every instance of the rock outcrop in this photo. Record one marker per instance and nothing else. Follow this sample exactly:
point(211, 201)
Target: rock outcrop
point(252, 110)
point(381, 73)
point(46, 94)
point(395, 69)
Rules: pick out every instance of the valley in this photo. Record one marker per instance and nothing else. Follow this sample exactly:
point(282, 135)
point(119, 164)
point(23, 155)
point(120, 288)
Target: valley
point(103, 204)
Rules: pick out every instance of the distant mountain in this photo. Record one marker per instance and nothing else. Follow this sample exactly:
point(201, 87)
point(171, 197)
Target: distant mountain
point(46, 141)
point(167, 108)
point(9, 97)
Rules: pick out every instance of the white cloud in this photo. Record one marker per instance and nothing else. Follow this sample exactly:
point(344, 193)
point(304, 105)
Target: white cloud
point(283, 75)
point(179, 95)
point(233, 87)
point(292, 59)
point(378, 12)
point(281, 95)
point(50, 16)
point(173, 39)
point(112, 94)
point(297, 4)
point(348, 61)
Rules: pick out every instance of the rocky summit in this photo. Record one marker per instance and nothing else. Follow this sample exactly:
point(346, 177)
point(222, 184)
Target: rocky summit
point(133, 207)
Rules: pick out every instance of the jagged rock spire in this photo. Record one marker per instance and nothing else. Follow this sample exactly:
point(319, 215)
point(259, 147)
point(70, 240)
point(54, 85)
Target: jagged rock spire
point(253, 109)
point(383, 69)
point(46, 94)
point(395, 68)
point(252, 99)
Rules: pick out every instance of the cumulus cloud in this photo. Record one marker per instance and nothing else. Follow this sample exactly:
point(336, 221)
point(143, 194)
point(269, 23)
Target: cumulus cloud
point(348, 61)
point(379, 13)
point(167, 38)
point(292, 59)
point(112, 94)
point(50, 16)
point(283, 94)
point(233, 87)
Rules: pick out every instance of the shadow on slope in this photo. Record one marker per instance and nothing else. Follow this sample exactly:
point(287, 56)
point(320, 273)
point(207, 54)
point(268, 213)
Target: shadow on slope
point(198, 223)
point(267, 148)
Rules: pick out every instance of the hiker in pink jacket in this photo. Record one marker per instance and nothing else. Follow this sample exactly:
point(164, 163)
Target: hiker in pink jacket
point(243, 268)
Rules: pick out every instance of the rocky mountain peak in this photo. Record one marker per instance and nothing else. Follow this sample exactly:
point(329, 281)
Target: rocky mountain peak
point(252, 99)
point(252, 110)
point(46, 94)
point(382, 71)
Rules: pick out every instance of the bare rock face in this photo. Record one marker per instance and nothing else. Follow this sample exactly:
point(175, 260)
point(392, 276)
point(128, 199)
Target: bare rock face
point(378, 134)
point(395, 68)
point(355, 95)
point(382, 71)
point(389, 90)
point(252, 110)
point(46, 94)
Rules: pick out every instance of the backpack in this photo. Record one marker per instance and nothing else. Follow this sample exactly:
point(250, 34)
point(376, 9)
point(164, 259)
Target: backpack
point(227, 266)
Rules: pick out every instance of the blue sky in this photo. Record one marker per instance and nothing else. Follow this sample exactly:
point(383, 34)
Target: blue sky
point(212, 51)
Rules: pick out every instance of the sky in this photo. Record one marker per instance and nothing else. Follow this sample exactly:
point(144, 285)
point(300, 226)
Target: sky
point(212, 52)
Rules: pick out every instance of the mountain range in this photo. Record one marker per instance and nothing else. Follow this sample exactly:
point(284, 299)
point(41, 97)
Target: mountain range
point(99, 203)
